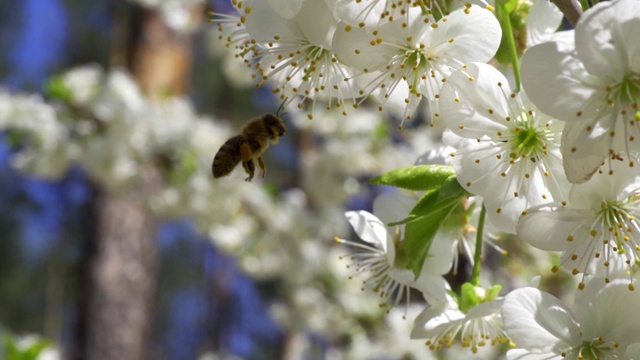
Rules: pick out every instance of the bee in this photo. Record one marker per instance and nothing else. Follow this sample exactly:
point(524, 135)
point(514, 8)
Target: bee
point(250, 144)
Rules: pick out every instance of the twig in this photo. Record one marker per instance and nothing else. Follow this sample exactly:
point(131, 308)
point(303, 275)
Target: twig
point(571, 10)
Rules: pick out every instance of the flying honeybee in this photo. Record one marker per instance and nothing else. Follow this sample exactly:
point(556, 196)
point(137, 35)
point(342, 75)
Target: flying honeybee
point(250, 144)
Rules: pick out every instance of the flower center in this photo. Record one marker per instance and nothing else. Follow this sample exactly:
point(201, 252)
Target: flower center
point(527, 140)
point(417, 62)
point(617, 222)
point(626, 92)
point(592, 350)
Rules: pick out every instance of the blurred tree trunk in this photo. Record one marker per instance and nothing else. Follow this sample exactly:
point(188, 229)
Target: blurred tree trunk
point(120, 259)
point(119, 279)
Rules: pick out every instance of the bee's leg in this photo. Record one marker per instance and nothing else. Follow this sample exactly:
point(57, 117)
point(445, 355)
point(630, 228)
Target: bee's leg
point(247, 160)
point(249, 168)
point(263, 167)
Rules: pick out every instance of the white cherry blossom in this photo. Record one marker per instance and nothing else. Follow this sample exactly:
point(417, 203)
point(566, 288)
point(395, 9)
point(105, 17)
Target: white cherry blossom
point(590, 79)
point(377, 260)
point(601, 324)
point(507, 151)
point(597, 229)
point(408, 58)
point(296, 54)
point(444, 324)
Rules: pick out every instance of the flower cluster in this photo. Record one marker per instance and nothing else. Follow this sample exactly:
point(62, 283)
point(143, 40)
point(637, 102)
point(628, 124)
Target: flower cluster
point(343, 53)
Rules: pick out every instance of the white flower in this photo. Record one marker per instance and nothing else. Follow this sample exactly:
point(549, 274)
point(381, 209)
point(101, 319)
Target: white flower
point(84, 83)
point(119, 97)
point(597, 230)
point(296, 54)
point(592, 82)
point(508, 151)
point(602, 324)
point(443, 324)
point(377, 260)
point(35, 126)
point(410, 57)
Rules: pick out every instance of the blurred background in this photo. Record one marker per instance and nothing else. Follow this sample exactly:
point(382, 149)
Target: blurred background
point(116, 243)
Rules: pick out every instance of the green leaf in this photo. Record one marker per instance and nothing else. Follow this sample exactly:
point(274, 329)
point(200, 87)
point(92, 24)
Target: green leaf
point(25, 352)
point(418, 177)
point(468, 297)
point(426, 218)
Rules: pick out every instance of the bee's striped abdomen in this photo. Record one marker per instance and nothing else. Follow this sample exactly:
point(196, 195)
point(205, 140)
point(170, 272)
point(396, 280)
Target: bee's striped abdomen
point(227, 157)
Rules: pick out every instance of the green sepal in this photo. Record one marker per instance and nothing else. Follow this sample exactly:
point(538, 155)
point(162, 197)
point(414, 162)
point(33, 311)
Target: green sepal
point(492, 292)
point(417, 178)
point(468, 297)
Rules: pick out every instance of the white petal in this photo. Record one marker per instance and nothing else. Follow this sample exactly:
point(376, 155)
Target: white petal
point(440, 257)
point(265, 24)
point(538, 321)
point(353, 49)
point(605, 187)
point(633, 351)
point(434, 289)
point(465, 104)
point(458, 37)
point(579, 167)
point(554, 80)
point(317, 23)
point(504, 210)
point(393, 206)
point(602, 35)
point(550, 230)
point(486, 309)
point(608, 313)
point(523, 354)
point(286, 8)
point(368, 227)
point(544, 20)
point(400, 101)
point(434, 318)
point(355, 13)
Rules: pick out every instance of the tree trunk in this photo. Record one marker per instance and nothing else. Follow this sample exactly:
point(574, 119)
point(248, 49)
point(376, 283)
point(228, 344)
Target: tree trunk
point(119, 279)
point(120, 261)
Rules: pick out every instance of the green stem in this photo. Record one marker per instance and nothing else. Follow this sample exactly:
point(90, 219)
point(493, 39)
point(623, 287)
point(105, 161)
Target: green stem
point(505, 22)
point(584, 4)
point(475, 274)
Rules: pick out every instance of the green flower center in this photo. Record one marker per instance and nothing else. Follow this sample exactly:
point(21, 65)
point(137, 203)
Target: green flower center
point(592, 350)
point(527, 141)
point(314, 54)
point(626, 92)
point(416, 60)
point(613, 218)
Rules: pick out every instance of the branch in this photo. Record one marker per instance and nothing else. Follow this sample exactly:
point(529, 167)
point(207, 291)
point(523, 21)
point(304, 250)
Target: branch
point(571, 10)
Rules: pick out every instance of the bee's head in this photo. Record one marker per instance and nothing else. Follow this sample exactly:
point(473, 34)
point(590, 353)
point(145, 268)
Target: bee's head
point(274, 125)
